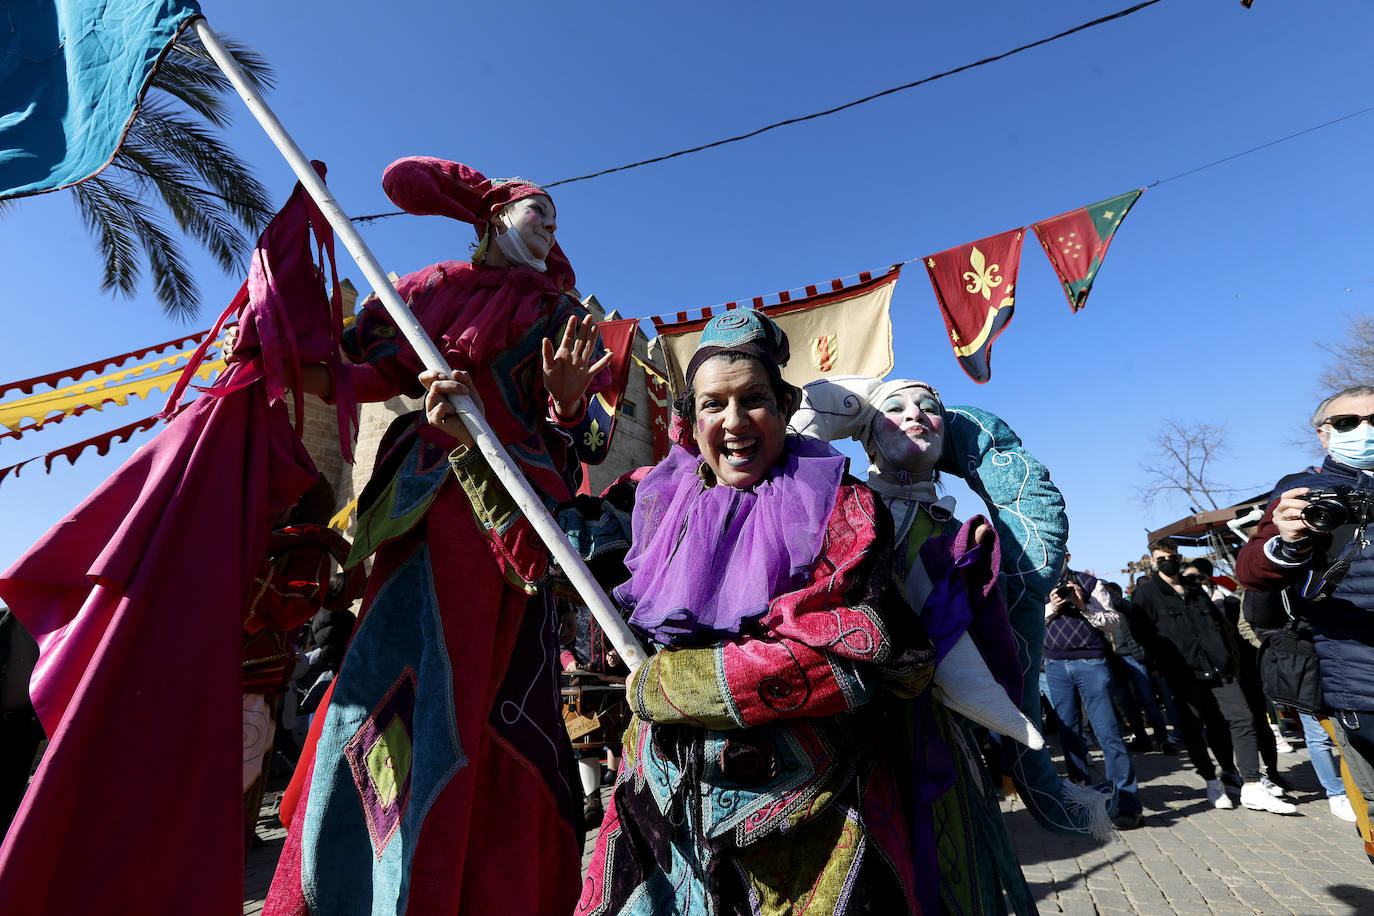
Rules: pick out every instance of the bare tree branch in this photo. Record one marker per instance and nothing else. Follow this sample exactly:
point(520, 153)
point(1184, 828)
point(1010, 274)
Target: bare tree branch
point(1180, 464)
point(1352, 356)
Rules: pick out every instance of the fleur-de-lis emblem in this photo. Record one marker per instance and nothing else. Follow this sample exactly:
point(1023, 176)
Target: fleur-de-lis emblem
point(594, 438)
point(981, 279)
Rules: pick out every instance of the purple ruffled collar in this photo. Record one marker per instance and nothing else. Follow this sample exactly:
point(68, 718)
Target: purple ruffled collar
point(707, 561)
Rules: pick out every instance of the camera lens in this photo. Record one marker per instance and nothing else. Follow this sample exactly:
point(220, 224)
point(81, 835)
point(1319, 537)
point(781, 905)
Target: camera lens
point(1324, 515)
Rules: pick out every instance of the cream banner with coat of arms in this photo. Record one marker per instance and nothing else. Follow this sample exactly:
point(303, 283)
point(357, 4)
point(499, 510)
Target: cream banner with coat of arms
point(846, 330)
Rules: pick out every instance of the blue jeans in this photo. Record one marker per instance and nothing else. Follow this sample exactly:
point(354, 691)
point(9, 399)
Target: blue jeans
point(1323, 758)
point(1069, 680)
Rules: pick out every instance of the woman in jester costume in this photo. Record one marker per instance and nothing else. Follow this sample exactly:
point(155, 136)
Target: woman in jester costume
point(950, 571)
point(442, 779)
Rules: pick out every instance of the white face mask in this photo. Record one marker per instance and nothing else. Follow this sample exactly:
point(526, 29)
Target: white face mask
point(514, 247)
point(1354, 448)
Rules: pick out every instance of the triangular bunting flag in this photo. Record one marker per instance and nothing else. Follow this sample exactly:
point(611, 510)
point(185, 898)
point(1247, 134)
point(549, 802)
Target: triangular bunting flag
point(617, 336)
point(1077, 241)
point(975, 284)
point(659, 399)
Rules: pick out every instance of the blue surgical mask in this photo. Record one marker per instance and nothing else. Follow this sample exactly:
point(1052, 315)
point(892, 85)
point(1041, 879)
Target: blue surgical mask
point(1354, 448)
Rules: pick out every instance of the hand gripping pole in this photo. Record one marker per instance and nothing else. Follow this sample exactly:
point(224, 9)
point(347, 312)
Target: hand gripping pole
point(563, 553)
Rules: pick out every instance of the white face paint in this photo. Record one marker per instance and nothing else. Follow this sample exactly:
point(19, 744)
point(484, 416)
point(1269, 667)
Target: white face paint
point(534, 219)
point(909, 432)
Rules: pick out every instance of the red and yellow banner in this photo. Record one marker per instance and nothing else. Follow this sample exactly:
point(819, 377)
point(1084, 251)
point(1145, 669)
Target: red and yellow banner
point(975, 285)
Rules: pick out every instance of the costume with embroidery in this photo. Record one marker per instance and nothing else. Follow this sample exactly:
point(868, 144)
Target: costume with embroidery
point(441, 768)
point(758, 772)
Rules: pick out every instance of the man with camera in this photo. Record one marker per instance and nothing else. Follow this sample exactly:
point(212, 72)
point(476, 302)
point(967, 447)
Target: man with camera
point(1077, 621)
point(1184, 633)
point(1314, 543)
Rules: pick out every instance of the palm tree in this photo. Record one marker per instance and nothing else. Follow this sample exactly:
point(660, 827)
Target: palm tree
point(170, 149)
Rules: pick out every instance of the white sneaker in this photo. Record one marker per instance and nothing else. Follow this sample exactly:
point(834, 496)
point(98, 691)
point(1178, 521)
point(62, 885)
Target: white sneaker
point(1340, 806)
point(1255, 797)
point(1270, 786)
point(1216, 794)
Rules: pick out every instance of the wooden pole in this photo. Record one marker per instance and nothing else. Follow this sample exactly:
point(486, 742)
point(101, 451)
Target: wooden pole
point(563, 553)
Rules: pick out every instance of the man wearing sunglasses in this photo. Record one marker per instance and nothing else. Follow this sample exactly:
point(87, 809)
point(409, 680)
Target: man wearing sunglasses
point(1324, 562)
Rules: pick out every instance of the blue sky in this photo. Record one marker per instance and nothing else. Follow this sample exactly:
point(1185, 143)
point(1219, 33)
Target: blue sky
point(1207, 309)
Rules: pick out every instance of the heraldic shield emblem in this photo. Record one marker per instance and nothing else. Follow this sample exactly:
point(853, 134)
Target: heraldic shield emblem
point(823, 350)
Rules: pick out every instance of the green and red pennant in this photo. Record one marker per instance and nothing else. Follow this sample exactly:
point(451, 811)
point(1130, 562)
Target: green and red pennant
point(975, 285)
point(1077, 241)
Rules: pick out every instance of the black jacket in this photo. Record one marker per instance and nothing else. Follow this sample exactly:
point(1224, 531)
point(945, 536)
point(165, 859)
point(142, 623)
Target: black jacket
point(1343, 624)
point(1183, 634)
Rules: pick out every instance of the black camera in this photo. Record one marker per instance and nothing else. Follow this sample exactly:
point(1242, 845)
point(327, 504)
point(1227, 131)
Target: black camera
point(1064, 589)
point(1329, 509)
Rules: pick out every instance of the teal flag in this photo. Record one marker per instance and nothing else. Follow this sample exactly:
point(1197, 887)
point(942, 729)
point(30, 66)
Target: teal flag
point(72, 73)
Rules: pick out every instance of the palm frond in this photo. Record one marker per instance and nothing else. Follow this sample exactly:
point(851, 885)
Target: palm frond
point(198, 89)
point(135, 225)
point(213, 163)
point(196, 212)
point(172, 280)
point(96, 202)
point(172, 159)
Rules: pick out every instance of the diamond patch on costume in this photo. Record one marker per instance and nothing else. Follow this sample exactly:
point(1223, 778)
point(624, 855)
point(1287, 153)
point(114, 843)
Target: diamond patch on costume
point(380, 755)
point(388, 763)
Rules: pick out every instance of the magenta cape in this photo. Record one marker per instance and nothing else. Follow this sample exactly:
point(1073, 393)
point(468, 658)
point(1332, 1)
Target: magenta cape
point(136, 600)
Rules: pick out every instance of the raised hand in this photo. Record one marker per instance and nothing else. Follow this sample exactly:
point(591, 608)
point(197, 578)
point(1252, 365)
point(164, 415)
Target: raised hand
point(568, 370)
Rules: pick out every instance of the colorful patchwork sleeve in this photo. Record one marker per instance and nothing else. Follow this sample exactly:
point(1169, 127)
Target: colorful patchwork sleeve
point(828, 646)
point(511, 539)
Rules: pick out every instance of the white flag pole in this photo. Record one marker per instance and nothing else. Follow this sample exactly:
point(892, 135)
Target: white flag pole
point(619, 633)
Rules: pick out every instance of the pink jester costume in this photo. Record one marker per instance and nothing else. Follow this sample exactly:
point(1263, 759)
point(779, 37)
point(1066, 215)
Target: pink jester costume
point(442, 780)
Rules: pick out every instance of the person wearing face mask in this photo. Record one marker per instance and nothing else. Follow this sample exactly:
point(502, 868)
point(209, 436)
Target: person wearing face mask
point(438, 777)
point(1184, 632)
point(1326, 573)
point(1197, 573)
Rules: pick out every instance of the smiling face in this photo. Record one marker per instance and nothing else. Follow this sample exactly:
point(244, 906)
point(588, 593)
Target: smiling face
point(535, 220)
point(909, 432)
point(740, 426)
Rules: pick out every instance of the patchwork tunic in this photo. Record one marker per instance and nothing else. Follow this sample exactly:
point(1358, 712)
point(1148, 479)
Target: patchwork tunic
point(443, 781)
point(763, 774)
point(958, 830)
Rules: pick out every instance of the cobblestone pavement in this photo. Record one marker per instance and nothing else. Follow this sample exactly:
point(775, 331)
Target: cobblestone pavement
point(1189, 858)
point(1195, 860)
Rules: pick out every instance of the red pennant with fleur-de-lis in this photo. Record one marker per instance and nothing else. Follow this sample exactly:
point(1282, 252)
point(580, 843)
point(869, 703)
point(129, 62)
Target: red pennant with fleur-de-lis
point(975, 285)
point(617, 337)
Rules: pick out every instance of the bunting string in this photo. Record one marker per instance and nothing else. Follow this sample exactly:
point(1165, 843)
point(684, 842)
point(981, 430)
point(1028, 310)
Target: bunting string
point(99, 392)
point(18, 433)
point(54, 378)
point(100, 443)
point(758, 302)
